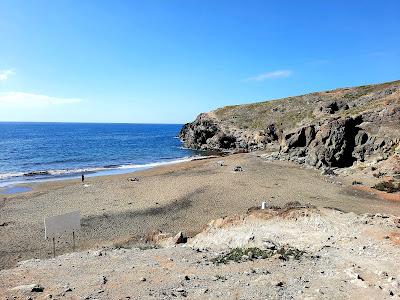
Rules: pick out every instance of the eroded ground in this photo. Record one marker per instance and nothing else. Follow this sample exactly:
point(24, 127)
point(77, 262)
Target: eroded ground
point(342, 256)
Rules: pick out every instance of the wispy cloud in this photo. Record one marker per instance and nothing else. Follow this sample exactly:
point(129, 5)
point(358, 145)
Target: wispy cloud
point(5, 74)
point(20, 99)
point(270, 75)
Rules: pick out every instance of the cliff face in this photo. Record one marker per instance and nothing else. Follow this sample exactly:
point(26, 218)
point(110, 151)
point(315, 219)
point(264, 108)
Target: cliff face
point(332, 128)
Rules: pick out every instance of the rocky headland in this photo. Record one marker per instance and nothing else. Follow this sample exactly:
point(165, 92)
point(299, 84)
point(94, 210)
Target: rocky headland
point(330, 129)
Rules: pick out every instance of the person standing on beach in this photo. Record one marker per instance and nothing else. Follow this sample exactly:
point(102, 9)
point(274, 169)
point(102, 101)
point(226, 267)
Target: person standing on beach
point(83, 178)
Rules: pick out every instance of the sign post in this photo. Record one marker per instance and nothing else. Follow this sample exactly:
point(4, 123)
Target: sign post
point(54, 248)
point(57, 225)
point(73, 241)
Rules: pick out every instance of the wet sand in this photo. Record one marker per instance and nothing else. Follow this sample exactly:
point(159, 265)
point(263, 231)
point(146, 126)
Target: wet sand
point(181, 197)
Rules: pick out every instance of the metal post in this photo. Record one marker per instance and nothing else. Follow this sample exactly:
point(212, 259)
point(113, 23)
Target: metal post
point(54, 248)
point(73, 239)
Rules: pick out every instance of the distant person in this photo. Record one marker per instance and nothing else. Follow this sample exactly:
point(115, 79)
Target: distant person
point(83, 178)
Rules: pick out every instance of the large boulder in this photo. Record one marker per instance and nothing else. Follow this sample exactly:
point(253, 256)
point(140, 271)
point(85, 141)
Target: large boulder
point(334, 143)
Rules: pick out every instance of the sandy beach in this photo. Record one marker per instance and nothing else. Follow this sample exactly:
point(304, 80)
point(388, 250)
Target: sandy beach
point(181, 197)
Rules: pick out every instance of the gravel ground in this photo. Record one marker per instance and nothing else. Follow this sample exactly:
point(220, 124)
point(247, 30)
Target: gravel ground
point(344, 256)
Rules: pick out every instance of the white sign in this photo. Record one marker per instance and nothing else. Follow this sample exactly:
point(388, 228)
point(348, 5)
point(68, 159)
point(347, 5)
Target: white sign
point(57, 225)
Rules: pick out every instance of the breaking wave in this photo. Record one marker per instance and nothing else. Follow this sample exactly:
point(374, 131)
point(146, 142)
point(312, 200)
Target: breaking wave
point(91, 170)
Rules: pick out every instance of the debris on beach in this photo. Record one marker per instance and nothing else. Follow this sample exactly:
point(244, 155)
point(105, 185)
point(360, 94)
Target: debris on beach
point(238, 169)
point(221, 163)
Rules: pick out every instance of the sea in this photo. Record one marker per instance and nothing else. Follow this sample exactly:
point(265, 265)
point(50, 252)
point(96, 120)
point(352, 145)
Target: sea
point(50, 151)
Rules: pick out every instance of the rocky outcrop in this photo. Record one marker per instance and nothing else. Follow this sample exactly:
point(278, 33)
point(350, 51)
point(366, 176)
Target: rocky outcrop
point(202, 133)
point(207, 133)
point(327, 129)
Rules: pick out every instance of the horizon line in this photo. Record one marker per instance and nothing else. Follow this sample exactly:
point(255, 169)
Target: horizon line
point(79, 122)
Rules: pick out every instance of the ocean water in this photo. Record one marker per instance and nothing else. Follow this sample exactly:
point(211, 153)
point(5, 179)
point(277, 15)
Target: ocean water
point(43, 151)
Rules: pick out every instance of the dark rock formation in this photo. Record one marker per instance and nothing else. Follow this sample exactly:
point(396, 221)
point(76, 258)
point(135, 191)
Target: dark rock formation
point(198, 134)
point(332, 107)
point(271, 133)
point(327, 129)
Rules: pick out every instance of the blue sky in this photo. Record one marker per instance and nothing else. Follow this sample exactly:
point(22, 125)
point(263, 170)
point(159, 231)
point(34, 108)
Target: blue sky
point(166, 61)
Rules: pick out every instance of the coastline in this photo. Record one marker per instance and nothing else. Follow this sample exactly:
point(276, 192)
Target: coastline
point(35, 177)
point(169, 198)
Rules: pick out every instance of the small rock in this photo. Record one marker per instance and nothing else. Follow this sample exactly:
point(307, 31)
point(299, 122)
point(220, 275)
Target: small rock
point(143, 279)
point(396, 284)
point(67, 289)
point(180, 238)
point(351, 274)
point(269, 245)
point(238, 169)
point(34, 288)
point(37, 289)
point(318, 291)
point(390, 279)
point(329, 172)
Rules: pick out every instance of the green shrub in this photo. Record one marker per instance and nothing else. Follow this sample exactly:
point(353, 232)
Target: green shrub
point(387, 186)
point(245, 254)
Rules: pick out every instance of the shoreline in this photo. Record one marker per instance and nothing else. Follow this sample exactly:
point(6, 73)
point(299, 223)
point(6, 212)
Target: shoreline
point(37, 177)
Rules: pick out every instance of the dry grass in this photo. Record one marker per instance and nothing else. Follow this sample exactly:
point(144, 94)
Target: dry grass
point(289, 112)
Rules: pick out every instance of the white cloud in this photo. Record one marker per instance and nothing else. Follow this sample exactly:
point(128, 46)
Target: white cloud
point(5, 74)
point(19, 99)
point(270, 75)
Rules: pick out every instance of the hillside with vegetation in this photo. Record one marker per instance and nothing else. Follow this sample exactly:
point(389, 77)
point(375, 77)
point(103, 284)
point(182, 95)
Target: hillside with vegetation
point(331, 128)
